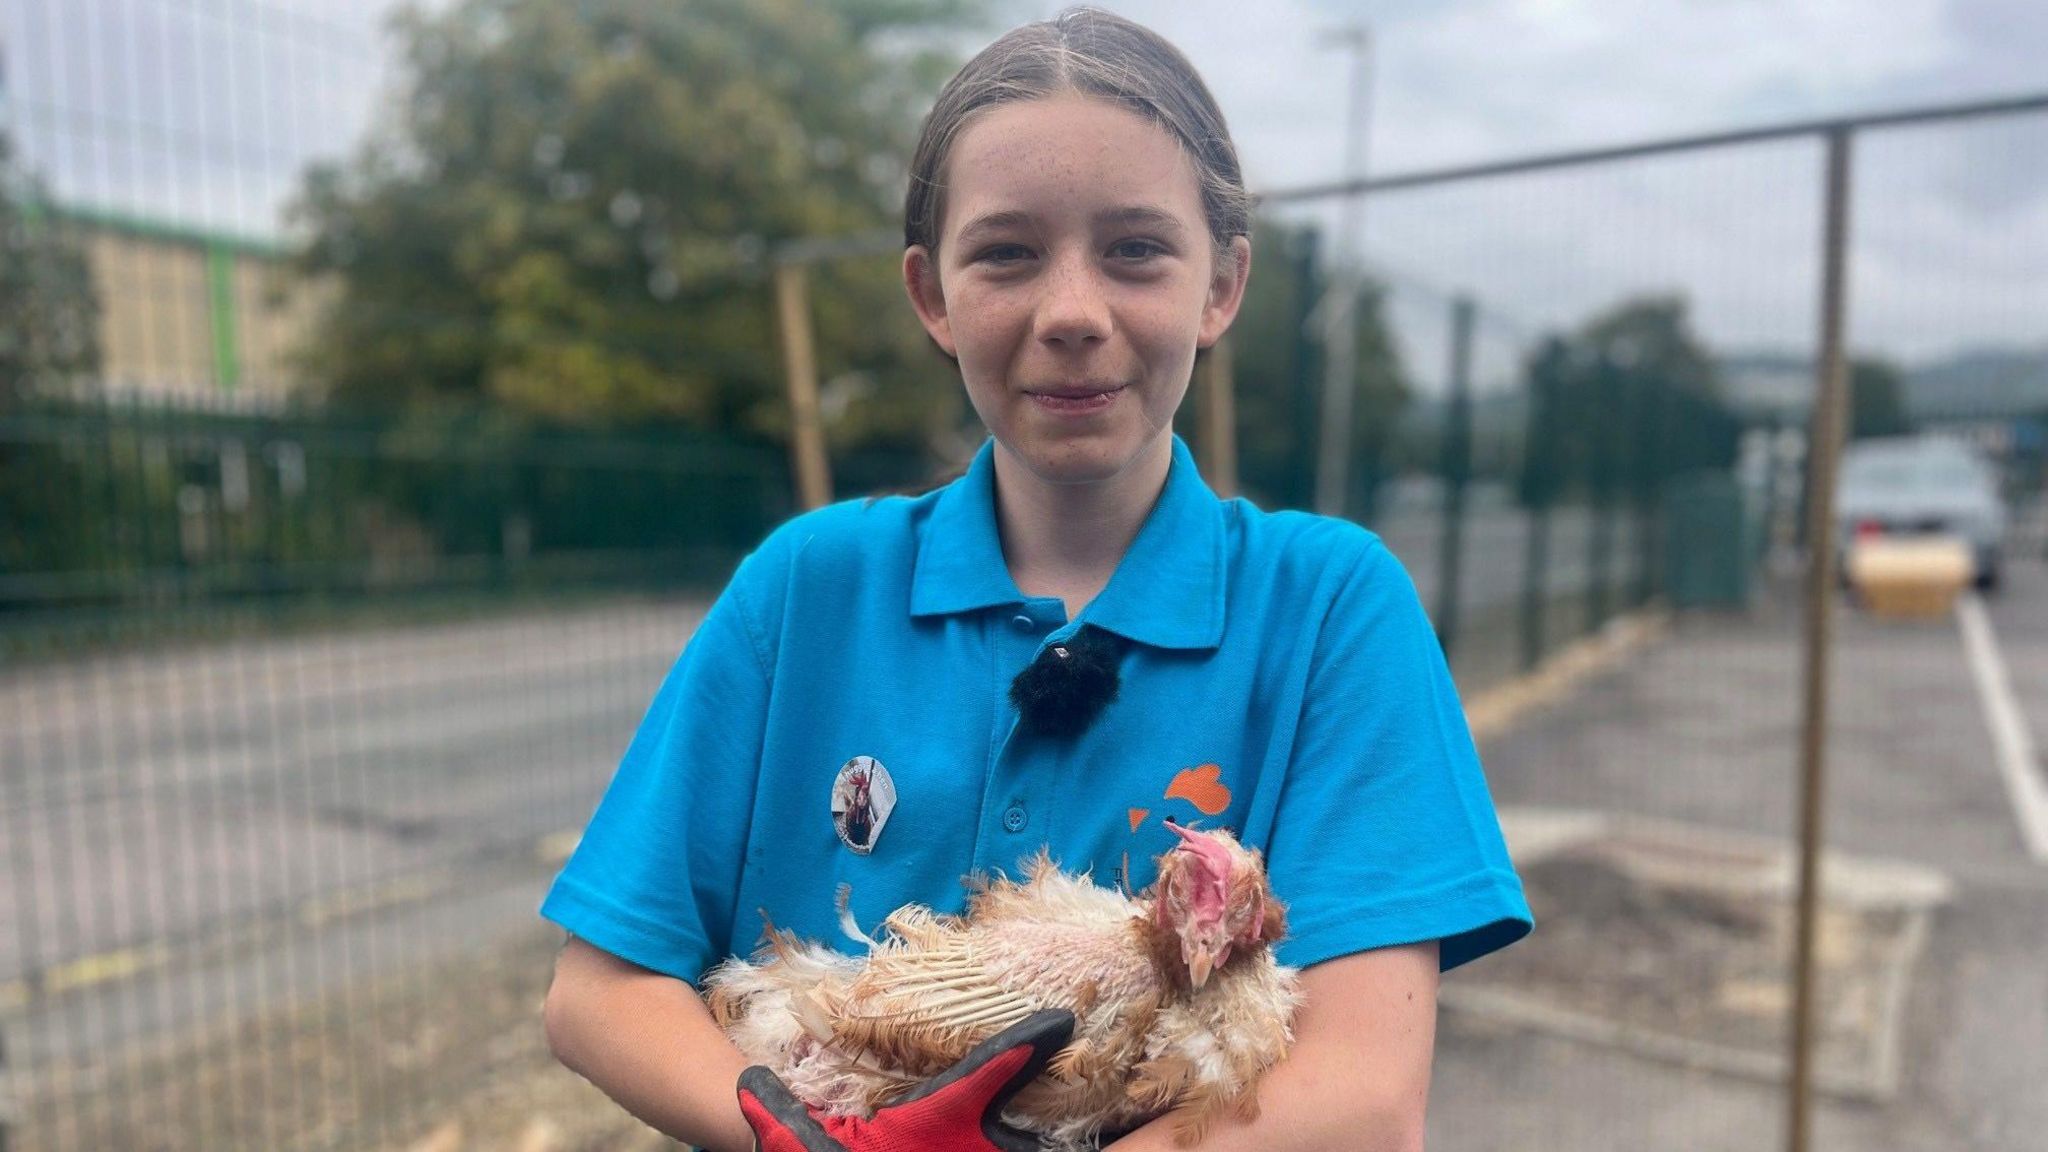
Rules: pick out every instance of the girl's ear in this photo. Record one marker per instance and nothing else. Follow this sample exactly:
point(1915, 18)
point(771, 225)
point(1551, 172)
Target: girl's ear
point(921, 280)
point(1226, 292)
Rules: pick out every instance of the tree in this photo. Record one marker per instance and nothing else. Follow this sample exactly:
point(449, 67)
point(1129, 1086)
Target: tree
point(49, 337)
point(1277, 364)
point(1877, 399)
point(1622, 407)
point(49, 313)
point(1639, 401)
point(570, 215)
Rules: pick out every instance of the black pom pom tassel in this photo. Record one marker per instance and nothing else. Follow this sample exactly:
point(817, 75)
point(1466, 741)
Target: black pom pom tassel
point(1070, 683)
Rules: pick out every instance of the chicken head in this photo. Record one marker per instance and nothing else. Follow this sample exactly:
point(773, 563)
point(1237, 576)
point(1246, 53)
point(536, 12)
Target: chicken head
point(1212, 896)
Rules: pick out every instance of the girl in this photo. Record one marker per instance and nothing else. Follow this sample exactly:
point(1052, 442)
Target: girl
point(1076, 228)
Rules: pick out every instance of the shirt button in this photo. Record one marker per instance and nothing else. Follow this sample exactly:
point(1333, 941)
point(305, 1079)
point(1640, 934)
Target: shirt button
point(1014, 818)
point(1023, 623)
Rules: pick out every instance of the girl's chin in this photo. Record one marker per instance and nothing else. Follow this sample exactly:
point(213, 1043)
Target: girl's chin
point(1075, 458)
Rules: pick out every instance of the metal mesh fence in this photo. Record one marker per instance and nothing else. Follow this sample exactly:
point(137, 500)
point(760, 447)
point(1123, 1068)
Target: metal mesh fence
point(1656, 815)
point(298, 711)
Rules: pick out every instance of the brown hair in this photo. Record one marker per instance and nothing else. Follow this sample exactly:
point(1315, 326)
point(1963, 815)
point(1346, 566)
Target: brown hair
point(1094, 53)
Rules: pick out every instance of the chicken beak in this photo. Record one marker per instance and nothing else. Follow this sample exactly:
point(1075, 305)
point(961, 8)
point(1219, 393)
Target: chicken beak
point(1203, 954)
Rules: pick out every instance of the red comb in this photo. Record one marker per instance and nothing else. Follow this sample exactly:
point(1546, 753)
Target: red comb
point(1216, 867)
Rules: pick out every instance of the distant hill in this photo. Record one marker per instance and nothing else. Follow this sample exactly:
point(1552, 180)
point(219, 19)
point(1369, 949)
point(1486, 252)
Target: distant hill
point(1986, 383)
point(1761, 384)
point(1994, 383)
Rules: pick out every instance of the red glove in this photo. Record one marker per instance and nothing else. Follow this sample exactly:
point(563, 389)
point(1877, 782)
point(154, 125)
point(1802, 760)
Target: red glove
point(959, 1110)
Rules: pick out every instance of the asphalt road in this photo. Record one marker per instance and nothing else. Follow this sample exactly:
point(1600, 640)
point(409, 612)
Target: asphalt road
point(228, 827)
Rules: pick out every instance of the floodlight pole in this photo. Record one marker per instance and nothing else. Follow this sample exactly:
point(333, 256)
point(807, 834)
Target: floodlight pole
point(1340, 304)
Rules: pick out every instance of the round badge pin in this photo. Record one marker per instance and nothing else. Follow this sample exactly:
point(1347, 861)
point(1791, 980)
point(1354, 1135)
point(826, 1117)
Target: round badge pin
point(863, 795)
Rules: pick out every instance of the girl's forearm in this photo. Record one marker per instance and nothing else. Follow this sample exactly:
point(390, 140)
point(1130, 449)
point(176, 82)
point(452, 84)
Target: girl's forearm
point(1314, 1100)
point(649, 1043)
point(1357, 1078)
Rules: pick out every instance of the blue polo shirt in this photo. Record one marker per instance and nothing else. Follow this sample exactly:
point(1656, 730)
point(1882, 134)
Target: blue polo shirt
point(1281, 681)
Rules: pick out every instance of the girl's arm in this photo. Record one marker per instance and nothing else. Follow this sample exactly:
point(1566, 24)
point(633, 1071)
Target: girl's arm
point(649, 1042)
point(1358, 1074)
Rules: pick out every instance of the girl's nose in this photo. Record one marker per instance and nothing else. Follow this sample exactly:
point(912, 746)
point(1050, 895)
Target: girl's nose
point(1074, 310)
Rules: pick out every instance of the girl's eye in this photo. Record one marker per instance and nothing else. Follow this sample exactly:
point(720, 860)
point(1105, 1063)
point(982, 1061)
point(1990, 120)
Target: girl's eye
point(1136, 251)
point(1000, 254)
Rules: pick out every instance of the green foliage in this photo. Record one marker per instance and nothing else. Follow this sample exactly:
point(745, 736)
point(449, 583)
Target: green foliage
point(49, 314)
point(1877, 399)
point(163, 507)
point(1277, 362)
point(1624, 404)
point(570, 214)
point(49, 337)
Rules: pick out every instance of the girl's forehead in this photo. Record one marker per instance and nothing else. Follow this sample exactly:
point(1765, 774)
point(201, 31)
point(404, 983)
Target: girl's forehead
point(1067, 153)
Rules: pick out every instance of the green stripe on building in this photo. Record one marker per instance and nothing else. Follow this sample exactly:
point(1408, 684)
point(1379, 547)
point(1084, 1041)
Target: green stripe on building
point(220, 293)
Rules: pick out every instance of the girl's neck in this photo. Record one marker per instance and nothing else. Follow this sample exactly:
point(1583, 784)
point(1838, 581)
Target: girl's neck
point(1066, 540)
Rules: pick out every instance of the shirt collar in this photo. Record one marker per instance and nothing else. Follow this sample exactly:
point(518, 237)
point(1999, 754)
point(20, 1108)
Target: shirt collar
point(1168, 592)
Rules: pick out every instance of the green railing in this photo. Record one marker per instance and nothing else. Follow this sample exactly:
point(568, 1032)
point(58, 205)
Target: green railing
point(124, 518)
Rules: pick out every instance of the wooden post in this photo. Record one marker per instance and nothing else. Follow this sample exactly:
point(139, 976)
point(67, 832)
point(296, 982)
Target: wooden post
point(6, 1100)
point(1219, 421)
point(800, 366)
point(1457, 473)
point(1830, 407)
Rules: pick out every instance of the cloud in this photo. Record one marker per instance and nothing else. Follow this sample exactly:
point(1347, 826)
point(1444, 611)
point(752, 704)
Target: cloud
point(177, 111)
point(196, 115)
point(1950, 245)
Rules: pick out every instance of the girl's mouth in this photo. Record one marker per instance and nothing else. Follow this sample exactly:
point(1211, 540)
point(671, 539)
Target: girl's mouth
point(1081, 405)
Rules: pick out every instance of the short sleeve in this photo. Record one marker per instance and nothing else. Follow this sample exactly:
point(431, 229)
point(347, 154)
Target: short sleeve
point(1385, 832)
point(655, 876)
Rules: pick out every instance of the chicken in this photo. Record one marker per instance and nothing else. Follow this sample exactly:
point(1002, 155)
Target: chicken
point(1179, 1004)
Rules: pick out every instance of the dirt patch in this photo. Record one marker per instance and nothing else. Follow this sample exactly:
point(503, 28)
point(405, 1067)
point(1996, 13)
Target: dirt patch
point(1691, 960)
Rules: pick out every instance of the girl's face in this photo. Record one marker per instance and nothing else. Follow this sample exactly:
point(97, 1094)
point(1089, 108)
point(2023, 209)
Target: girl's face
point(1075, 278)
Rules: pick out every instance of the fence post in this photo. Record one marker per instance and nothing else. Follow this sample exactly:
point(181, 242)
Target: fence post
point(1607, 387)
point(6, 1097)
point(1538, 488)
point(1301, 477)
point(1219, 421)
point(800, 368)
point(1825, 449)
point(1649, 455)
point(1457, 471)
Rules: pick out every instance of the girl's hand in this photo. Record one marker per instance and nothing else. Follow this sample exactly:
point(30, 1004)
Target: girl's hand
point(959, 1110)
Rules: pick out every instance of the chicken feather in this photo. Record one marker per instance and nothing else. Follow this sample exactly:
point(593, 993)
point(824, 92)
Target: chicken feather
point(1155, 1031)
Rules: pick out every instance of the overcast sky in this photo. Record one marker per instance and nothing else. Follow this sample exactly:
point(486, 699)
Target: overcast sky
point(169, 108)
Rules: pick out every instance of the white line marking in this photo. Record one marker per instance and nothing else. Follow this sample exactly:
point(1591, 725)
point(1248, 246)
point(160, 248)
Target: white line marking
point(2009, 733)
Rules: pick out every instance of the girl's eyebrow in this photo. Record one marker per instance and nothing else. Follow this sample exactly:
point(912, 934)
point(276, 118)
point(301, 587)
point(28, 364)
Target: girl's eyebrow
point(1141, 216)
point(1130, 216)
point(993, 222)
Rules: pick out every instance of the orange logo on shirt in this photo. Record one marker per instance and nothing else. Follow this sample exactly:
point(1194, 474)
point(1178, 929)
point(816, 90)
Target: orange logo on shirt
point(1201, 786)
